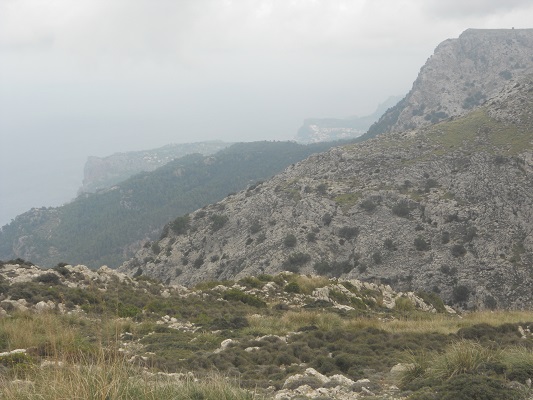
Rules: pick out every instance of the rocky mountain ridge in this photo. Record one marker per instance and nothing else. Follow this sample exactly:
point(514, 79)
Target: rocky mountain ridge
point(461, 74)
point(446, 208)
point(103, 172)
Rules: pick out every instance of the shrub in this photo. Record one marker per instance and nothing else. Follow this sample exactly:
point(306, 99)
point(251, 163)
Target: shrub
point(389, 244)
point(260, 238)
point(255, 227)
point(322, 267)
point(322, 188)
point(401, 209)
point(48, 278)
point(289, 240)
point(368, 205)
point(458, 250)
point(311, 237)
point(156, 249)
point(445, 237)
point(298, 258)
point(429, 184)
point(348, 232)
point(180, 225)
point(239, 295)
point(198, 262)
point(252, 281)
point(62, 269)
point(433, 299)
point(292, 287)
point(218, 221)
point(326, 219)
point(460, 293)
point(421, 244)
point(377, 257)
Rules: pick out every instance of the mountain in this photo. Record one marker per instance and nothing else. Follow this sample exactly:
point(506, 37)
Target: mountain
point(316, 130)
point(460, 75)
point(446, 208)
point(104, 172)
point(107, 227)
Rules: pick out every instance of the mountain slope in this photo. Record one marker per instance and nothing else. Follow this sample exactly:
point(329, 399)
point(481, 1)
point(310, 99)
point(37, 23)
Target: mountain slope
point(447, 208)
point(104, 172)
point(461, 74)
point(109, 226)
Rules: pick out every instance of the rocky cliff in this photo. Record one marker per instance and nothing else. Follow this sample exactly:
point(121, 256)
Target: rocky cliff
point(446, 208)
point(459, 76)
point(104, 172)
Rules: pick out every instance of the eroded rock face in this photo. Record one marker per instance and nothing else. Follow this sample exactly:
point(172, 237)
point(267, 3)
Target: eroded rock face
point(462, 74)
point(448, 208)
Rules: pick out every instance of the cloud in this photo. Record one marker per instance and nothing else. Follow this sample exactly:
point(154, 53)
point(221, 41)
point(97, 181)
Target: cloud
point(472, 8)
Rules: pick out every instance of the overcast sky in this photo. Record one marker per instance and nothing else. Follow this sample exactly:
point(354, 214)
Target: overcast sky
point(94, 77)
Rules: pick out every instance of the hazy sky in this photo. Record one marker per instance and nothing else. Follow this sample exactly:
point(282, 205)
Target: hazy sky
point(94, 77)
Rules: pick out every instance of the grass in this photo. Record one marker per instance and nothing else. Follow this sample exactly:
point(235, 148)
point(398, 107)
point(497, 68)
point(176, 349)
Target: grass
point(116, 379)
point(502, 138)
point(307, 284)
point(347, 200)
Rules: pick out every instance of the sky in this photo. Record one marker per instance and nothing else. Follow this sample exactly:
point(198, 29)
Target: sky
point(95, 77)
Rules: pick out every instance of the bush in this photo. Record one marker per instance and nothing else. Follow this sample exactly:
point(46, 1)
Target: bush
point(198, 262)
point(433, 299)
point(322, 188)
point(348, 232)
point(180, 225)
point(460, 294)
point(289, 240)
point(293, 287)
point(421, 244)
point(218, 221)
point(458, 250)
point(368, 205)
point(239, 295)
point(322, 267)
point(48, 278)
point(62, 269)
point(255, 227)
point(401, 209)
point(389, 244)
point(295, 260)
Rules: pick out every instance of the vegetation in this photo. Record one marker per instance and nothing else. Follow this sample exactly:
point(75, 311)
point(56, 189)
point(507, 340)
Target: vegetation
point(130, 341)
point(94, 229)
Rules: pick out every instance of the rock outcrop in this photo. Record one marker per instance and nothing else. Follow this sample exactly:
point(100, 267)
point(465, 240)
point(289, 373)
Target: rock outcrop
point(462, 74)
point(447, 208)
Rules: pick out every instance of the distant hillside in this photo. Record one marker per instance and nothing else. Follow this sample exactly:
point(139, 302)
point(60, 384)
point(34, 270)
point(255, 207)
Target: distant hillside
point(104, 172)
point(462, 74)
point(316, 130)
point(109, 226)
point(446, 208)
